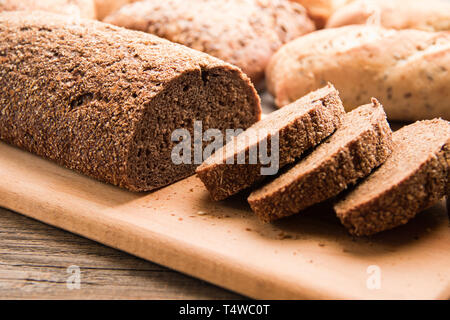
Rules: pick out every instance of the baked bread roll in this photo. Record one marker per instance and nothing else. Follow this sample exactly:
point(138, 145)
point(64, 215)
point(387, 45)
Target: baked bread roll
point(105, 101)
point(362, 143)
point(414, 178)
point(321, 10)
point(106, 7)
point(407, 70)
point(81, 8)
point(245, 33)
point(430, 15)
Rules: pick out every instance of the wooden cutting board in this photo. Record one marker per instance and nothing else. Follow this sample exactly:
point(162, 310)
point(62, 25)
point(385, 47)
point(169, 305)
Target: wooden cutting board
point(307, 256)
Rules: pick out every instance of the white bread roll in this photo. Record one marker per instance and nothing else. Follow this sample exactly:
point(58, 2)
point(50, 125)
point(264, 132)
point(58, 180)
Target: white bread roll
point(429, 15)
point(407, 70)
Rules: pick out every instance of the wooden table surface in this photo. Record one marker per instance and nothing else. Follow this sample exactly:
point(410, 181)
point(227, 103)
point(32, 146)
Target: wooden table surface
point(34, 258)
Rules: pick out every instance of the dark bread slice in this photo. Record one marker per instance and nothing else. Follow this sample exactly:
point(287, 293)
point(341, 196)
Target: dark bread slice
point(362, 143)
point(300, 126)
point(414, 178)
point(104, 100)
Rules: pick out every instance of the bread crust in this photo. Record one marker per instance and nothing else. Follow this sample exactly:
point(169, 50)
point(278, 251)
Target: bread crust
point(362, 143)
point(244, 33)
point(80, 8)
point(104, 101)
point(300, 126)
point(431, 15)
point(405, 185)
point(407, 70)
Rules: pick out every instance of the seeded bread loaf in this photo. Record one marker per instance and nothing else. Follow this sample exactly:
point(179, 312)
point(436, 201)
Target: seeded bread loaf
point(362, 143)
point(104, 101)
point(430, 15)
point(106, 7)
point(321, 10)
point(407, 70)
point(298, 127)
point(243, 32)
point(414, 178)
point(80, 8)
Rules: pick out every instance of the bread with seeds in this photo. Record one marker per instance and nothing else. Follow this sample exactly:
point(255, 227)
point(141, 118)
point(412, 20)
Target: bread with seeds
point(105, 101)
point(407, 70)
point(430, 15)
point(245, 33)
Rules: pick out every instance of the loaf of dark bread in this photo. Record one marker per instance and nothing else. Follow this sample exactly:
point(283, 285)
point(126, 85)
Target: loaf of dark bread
point(362, 143)
point(415, 177)
point(104, 101)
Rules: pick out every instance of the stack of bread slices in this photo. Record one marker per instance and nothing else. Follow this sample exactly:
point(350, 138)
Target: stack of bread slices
point(377, 179)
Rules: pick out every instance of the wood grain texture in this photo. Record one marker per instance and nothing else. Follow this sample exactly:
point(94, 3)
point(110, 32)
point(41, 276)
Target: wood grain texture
point(34, 258)
point(307, 256)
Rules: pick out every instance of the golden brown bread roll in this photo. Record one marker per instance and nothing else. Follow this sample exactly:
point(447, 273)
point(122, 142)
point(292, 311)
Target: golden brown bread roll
point(407, 70)
point(245, 33)
point(431, 15)
point(321, 10)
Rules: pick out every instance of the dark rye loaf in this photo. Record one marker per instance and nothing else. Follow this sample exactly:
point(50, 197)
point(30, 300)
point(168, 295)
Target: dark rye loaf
point(104, 101)
point(414, 178)
point(300, 126)
point(362, 143)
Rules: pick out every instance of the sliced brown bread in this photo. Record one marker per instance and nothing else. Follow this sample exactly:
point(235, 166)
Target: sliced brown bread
point(300, 126)
point(362, 143)
point(104, 100)
point(414, 178)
